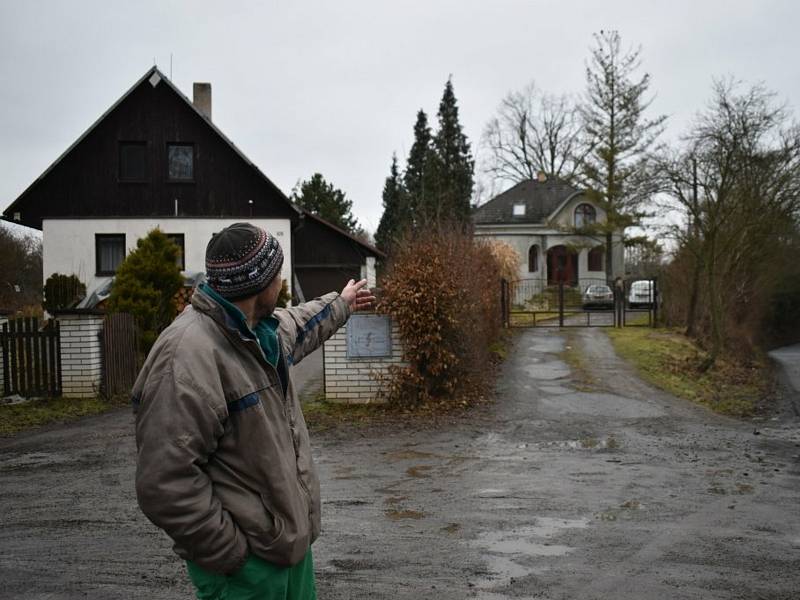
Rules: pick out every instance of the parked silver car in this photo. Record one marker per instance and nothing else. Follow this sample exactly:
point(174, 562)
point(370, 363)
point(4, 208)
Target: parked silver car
point(598, 296)
point(640, 294)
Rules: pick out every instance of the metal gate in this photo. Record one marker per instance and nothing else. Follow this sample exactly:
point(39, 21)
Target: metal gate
point(586, 303)
point(31, 358)
point(641, 302)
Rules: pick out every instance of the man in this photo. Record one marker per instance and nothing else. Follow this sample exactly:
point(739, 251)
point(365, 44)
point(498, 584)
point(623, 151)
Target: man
point(224, 462)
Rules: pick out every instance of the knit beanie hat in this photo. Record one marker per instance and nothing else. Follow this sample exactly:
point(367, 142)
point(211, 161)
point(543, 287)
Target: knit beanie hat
point(241, 260)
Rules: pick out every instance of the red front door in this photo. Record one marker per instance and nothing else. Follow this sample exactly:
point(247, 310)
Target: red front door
point(562, 266)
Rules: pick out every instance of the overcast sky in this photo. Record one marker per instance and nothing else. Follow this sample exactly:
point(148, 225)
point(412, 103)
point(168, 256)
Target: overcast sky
point(333, 86)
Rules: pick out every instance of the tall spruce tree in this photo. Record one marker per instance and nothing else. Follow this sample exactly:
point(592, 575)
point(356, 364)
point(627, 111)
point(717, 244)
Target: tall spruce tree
point(324, 200)
point(616, 172)
point(418, 176)
point(452, 167)
point(396, 218)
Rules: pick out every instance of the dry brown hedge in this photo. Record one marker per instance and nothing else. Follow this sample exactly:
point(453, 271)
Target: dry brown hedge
point(442, 290)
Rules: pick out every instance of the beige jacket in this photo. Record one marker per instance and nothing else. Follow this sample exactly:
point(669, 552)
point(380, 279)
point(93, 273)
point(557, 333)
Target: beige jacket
point(224, 462)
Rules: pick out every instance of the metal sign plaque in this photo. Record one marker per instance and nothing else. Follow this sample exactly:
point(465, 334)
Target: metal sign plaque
point(369, 336)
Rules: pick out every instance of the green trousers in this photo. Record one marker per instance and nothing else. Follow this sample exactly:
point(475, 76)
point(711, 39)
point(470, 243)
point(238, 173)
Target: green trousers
point(257, 580)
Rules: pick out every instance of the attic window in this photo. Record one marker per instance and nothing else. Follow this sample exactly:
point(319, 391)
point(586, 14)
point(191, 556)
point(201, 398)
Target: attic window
point(585, 215)
point(132, 161)
point(180, 159)
point(519, 210)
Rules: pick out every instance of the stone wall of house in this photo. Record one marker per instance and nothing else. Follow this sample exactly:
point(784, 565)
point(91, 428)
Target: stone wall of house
point(81, 353)
point(357, 380)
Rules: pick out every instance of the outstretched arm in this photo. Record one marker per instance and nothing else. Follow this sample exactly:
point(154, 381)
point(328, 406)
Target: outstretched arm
point(306, 326)
point(358, 295)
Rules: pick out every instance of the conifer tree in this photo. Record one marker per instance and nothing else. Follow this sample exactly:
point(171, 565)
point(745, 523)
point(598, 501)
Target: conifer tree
point(146, 284)
point(324, 200)
point(452, 168)
point(396, 218)
point(418, 176)
point(616, 172)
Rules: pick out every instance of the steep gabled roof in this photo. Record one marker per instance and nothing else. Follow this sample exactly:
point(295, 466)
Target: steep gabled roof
point(370, 249)
point(540, 198)
point(156, 77)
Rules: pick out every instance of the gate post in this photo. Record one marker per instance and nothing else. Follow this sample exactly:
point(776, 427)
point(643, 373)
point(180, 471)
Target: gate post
point(654, 303)
point(81, 352)
point(560, 303)
point(619, 302)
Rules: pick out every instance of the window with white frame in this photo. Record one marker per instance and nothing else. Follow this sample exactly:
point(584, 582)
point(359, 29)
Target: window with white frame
point(109, 252)
point(585, 214)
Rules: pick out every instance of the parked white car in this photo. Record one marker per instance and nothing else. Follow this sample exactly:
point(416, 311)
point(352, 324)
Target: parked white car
point(640, 294)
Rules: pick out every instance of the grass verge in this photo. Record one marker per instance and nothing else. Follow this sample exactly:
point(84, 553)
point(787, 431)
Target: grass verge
point(15, 418)
point(571, 354)
point(669, 360)
point(321, 415)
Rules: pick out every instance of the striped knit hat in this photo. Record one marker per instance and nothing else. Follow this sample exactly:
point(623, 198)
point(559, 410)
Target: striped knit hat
point(241, 260)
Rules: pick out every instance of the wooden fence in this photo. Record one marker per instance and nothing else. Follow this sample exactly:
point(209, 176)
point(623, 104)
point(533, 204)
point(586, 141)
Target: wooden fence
point(120, 354)
point(31, 358)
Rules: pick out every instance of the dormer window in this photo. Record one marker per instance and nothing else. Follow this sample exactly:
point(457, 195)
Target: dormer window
point(519, 210)
point(585, 214)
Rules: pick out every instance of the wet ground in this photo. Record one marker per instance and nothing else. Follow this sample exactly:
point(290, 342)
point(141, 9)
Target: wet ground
point(553, 492)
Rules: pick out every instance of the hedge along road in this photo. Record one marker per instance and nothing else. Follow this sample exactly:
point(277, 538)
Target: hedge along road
point(552, 492)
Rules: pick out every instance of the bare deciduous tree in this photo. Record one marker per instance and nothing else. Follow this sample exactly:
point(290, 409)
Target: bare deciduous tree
point(738, 181)
point(534, 131)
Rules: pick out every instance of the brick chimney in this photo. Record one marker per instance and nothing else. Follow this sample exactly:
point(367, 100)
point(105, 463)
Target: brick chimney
point(201, 93)
point(541, 176)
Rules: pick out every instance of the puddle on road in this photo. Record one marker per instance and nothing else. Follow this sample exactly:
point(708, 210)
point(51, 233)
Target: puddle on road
point(555, 390)
point(512, 554)
point(603, 405)
point(552, 345)
point(554, 369)
point(587, 443)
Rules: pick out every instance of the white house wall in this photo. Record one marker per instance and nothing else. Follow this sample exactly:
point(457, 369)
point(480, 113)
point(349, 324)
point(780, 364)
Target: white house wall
point(521, 239)
point(68, 245)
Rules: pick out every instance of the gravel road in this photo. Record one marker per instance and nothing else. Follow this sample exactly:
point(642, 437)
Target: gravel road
point(555, 491)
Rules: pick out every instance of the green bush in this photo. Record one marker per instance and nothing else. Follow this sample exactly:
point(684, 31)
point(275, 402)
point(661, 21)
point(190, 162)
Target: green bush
point(62, 291)
point(146, 284)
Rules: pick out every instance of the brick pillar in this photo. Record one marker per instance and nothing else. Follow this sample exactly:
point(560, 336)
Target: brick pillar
point(81, 353)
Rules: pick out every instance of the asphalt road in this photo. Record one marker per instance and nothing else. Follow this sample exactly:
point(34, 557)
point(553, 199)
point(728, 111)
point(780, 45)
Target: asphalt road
point(556, 491)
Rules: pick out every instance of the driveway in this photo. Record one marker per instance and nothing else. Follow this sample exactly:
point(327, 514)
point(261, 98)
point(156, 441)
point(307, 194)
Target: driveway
point(788, 360)
point(555, 491)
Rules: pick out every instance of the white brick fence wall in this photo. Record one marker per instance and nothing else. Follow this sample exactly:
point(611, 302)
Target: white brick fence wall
point(357, 380)
point(81, 352)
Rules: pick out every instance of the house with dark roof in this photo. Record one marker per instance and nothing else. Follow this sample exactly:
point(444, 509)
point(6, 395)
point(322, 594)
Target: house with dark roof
point(156, 159)
point(542, 219)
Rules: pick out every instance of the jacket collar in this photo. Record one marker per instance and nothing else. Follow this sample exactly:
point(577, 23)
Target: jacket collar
point(204, 303)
